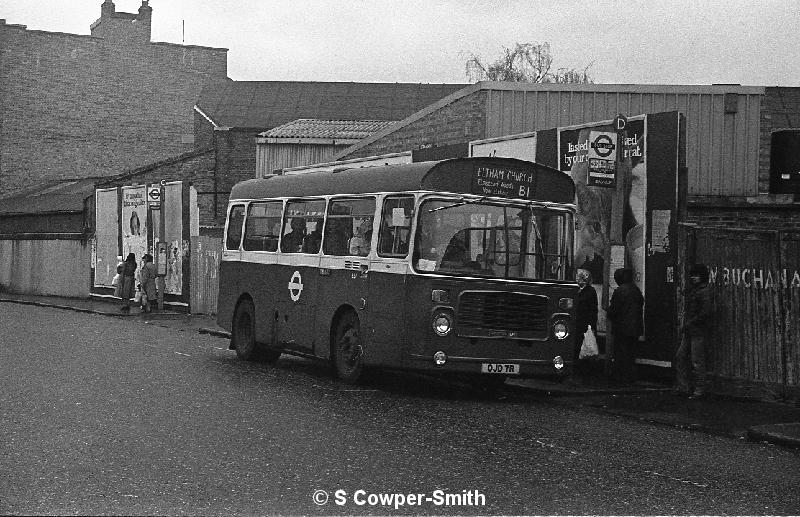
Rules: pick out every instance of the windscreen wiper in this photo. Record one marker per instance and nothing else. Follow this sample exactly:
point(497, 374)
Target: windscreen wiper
point(460, 202)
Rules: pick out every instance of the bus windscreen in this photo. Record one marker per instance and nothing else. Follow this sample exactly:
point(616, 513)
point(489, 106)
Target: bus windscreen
point(492, 240)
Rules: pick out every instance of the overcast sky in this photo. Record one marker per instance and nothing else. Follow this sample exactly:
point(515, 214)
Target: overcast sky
point(753, 42)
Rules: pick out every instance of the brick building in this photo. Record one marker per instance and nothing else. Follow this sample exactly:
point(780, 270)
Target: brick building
point(96, 105)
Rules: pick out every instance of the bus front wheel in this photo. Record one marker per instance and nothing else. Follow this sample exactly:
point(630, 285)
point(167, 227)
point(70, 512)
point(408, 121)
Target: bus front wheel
point(243, 337)
point(347, 353)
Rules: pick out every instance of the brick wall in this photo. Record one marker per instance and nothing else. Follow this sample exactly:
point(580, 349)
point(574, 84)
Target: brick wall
point(780, 110)
point(775, 217)
point(461, 121)
point(79, 106)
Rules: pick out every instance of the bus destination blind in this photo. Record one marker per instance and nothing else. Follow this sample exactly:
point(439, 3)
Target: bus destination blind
point(503, 182)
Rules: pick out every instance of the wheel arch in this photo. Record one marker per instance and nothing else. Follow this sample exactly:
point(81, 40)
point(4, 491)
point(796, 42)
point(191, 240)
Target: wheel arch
point(337, 315)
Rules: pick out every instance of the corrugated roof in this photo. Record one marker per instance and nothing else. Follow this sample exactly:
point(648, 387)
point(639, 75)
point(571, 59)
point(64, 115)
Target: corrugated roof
point(332, 129)
point(53, 196)
point(268, 104)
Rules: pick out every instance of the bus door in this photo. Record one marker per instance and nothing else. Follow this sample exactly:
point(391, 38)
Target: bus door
point(386, 302)
point(298, 283)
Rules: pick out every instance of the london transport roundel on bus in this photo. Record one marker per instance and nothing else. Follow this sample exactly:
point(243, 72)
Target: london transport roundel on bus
point(295, 286)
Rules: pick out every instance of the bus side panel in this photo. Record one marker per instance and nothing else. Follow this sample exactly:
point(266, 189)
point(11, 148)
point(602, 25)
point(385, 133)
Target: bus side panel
point(386, 307)
point(238, 279)
point(230, 278)
point(338, 287)
point(295, 294)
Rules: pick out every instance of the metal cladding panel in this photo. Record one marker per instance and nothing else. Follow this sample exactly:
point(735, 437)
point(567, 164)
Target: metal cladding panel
point(722, 134)
point(750, 285)
point(272, 157)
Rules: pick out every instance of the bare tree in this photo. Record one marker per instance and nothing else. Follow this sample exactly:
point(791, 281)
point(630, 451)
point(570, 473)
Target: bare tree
point(525, 63)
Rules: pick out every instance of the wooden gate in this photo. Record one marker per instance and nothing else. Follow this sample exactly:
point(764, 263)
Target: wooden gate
point(755, 283)
point(205, 255)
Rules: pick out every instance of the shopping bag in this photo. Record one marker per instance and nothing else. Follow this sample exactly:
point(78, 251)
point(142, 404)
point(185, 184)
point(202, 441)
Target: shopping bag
point(115, 280)
point(137, 298)
point(589, 346)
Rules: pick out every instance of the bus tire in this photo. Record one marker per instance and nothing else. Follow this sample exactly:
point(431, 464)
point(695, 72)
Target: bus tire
point(347, 348)
point(243, 335)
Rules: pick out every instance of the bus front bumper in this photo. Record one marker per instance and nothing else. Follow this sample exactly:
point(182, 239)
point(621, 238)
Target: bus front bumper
point(556, 366)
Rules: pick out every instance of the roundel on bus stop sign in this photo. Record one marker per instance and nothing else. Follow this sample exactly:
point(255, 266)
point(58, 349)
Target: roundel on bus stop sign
point(602, 145)
point(295, 286)
point(154, 196)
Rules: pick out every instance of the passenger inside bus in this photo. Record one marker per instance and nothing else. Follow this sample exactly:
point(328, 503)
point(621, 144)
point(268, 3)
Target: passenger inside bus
point(455, 255)
point(293, 241)
point(361, 241)
point(312, 240)
point(336, 236)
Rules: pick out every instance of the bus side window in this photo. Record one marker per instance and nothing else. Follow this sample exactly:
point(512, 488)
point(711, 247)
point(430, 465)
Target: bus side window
point(235, 222)
point(349, 227)
point(259, 230)
point(299, 215)
point(395, 226)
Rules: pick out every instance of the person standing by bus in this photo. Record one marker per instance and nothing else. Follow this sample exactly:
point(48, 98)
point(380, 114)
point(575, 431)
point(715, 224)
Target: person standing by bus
point(585, 313)
point(690, 359)
point(625, 314)
point(128, 281)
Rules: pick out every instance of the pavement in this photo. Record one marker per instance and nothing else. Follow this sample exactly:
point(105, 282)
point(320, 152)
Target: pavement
point(775, 422)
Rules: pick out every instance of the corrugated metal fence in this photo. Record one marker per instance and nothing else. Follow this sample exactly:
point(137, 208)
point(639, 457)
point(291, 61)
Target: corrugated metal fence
point(755, 281)
point(205, 255)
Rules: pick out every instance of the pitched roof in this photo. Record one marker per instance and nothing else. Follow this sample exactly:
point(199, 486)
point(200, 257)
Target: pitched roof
point(268, 104)
point(53, 196)
point(332, 129)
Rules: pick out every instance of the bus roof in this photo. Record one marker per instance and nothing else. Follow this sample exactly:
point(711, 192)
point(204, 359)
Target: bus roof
point(489, 176)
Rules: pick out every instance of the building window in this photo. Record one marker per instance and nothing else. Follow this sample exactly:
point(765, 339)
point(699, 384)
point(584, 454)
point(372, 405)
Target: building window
point(784, 171)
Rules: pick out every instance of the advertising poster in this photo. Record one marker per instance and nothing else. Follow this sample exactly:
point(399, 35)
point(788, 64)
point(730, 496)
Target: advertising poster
point(594, 196)
point(173, 218)
point(134, 221)
point(106, 237)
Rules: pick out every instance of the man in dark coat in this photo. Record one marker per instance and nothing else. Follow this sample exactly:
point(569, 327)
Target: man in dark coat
point(690, 359)
point(128, 281)
point(625, 314)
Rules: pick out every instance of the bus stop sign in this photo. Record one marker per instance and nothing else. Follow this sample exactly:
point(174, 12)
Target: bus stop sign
point(154, 197)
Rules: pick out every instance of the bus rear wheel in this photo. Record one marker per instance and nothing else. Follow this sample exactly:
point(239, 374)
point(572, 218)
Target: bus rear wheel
point(347, 349)
point(243, 337)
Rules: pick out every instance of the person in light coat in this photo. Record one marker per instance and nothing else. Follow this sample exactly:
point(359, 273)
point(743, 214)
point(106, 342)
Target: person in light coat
point(147, 277)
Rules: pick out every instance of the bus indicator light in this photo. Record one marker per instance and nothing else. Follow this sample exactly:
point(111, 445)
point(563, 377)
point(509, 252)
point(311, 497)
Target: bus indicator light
point(440, 296)
point(439, 358)
point(558, 362)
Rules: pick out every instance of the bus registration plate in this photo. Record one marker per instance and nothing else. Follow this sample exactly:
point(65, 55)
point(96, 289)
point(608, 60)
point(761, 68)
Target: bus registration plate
point(502, 368)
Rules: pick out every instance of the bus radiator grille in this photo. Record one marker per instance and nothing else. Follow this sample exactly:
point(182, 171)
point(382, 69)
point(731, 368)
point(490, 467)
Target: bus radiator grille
point(481, 312)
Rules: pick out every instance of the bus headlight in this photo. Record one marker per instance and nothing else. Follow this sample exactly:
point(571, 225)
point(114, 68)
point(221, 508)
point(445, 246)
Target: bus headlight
point(560, 330)
point(442, 323)
point(439, 358)
point(558, 362)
